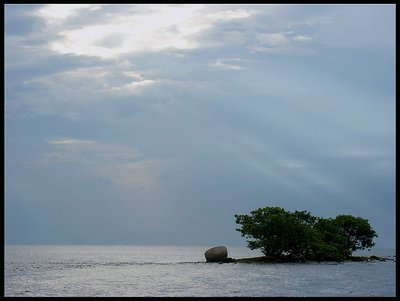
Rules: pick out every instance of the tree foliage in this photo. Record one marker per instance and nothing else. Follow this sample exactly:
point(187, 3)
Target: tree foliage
point(277, 232)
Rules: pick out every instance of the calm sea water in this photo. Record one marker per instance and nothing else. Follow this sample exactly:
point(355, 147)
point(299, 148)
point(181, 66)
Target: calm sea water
point(148, 271)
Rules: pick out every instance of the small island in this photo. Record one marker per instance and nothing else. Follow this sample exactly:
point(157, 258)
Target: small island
point(284, 236)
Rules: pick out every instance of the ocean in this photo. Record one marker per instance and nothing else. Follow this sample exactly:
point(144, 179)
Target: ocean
point(166, 271)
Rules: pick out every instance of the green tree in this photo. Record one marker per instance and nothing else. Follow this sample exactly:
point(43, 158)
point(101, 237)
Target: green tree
point(304, 234)
point(298, 234)
point(263, 230)
point(357, 233)
point(277, 232)
point(330, 242)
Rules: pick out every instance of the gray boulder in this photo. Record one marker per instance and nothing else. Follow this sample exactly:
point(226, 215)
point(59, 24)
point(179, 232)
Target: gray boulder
point(219, 253)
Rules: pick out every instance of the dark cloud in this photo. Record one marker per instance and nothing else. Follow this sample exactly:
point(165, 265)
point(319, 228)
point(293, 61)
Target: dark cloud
point(20, 20)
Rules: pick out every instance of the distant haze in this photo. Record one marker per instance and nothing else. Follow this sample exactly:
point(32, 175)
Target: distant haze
point(155, 124)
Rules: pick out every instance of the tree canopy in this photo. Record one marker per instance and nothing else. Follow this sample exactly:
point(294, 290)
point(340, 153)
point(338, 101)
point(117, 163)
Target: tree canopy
point(280, 233)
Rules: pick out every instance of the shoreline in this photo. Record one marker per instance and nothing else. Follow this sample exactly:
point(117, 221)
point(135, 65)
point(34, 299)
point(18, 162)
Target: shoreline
point(269, 259)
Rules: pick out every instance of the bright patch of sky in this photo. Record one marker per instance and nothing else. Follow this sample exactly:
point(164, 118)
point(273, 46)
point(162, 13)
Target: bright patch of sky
point(136, 29)
point(155, 124)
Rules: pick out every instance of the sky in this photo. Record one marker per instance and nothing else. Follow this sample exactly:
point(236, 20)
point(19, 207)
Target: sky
point(155, 124)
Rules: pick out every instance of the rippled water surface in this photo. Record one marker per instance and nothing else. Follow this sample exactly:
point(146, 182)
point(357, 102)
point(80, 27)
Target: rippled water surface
point(182, 271)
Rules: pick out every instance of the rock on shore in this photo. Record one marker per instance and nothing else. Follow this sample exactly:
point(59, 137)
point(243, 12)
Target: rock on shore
point(216, 254)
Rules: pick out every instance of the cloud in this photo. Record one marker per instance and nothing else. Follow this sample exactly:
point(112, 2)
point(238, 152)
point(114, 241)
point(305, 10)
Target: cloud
point(228, 15)
point(74, 91)
point(82, 150)
point(57, 13)
point(20, 21)
point(285, 43)
point(361, 153)
point(273, 39)
point(301, 38)
point(124, 166)
point(69, 141)
point(221, 64)
point(156, 29)
point(86, 59)
point(133, 87)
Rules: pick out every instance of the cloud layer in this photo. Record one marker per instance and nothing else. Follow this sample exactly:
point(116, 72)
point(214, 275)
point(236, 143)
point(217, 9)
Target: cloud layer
point(155, 124)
